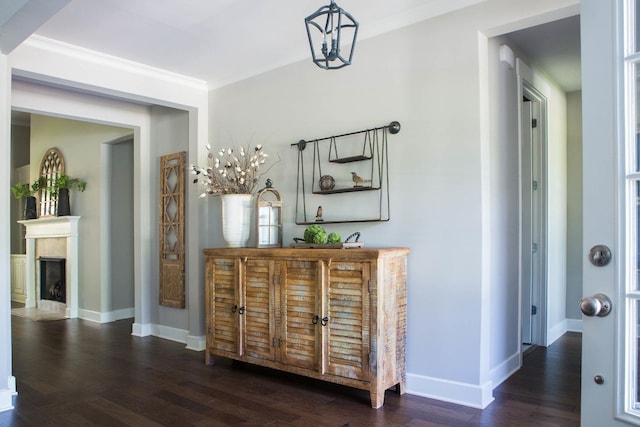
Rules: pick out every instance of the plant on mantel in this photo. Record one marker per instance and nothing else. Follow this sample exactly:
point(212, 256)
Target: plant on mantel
point(65, 181)
point(21, 191)
point(61, 187)
point(27, 192)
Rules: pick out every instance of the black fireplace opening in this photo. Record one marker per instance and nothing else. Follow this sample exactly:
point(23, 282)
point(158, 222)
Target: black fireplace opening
point(53, 282)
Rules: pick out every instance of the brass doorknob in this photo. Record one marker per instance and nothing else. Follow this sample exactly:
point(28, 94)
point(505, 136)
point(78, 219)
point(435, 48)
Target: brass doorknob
point(596, 305)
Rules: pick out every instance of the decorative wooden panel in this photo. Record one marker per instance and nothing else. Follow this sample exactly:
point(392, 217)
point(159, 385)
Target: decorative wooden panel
point(259, 303)
point(223, 309)
point(51, 167)
point(172, 286)
point(346, 336)
point(299, 296)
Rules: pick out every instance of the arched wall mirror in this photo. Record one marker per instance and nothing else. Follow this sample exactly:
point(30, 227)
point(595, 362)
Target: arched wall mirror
point(51, 167)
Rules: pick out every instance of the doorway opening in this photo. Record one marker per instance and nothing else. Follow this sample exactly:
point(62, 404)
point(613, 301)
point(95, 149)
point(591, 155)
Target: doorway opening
point(117, 291)
point(547, 70)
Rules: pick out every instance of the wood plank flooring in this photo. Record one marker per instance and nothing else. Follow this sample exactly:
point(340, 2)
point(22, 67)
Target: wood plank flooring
point(78, 373)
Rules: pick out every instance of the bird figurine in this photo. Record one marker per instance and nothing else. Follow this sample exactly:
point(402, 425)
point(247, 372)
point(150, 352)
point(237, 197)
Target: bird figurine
point(319, 214)
point(358, 180)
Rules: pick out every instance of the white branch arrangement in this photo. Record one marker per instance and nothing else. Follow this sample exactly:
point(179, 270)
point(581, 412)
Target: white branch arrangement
point(230, 171)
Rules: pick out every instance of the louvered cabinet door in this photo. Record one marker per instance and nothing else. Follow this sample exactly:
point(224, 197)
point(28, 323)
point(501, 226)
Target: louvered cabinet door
point(299, 292)
point(259, 309)
point(223, 304)
point(347, 317)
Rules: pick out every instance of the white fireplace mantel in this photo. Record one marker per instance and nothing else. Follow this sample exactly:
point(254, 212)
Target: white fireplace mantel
point(46, 228)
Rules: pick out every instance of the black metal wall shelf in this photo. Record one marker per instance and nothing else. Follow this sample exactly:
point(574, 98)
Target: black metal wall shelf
point(345, 190)
point(347, 221)
point(372, 173)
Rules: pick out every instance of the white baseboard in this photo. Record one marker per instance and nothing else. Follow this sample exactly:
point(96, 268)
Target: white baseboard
point(574, 325)
point(473, 395)
point(106, 317)
point(192, 342)
point(92, 316)
point(503, 371)
point(6, 395)
point(196, 343)
point(556, 331)
point(169, 333)
point(141, 329)
point(123, 313)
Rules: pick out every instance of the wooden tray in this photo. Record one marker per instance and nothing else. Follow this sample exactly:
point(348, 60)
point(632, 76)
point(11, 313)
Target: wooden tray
point(343, 245)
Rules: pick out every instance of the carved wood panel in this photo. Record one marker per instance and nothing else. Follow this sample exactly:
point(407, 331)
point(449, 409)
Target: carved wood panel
point(172, 283)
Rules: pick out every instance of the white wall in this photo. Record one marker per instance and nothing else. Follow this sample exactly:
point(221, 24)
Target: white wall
point(169, 131)
point(505, 216)
point(434, 169)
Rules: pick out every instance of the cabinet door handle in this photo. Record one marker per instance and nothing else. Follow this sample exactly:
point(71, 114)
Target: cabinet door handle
point(241, 310)
point(315, 319)
point(325, 320)
point(234, 307)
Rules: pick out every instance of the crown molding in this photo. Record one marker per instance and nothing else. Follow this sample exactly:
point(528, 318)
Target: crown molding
point(99, 58)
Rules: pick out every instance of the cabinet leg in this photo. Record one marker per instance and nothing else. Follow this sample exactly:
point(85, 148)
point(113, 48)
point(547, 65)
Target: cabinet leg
point(208, 358)
point(401, 387)
point(377, 399)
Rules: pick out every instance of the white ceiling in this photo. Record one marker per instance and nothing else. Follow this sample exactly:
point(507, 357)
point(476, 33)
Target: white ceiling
point(554, 47)
point(222, 41)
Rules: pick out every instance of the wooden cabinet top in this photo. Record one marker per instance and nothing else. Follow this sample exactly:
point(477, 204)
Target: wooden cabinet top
point(359, 253)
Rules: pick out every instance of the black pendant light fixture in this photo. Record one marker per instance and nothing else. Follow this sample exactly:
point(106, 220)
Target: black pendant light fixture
point(330, 28)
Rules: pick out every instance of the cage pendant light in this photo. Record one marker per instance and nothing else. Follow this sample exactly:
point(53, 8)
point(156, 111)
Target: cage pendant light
point(331, 30)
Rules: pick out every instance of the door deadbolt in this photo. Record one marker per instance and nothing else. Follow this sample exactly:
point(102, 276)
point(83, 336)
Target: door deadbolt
point(597, 305)
point(600, 255)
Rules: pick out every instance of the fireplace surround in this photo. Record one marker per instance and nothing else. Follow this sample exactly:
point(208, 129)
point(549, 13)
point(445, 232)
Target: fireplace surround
point(65, 228)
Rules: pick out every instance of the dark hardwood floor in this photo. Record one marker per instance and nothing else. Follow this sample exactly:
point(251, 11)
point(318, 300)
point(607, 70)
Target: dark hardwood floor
point(78, 373)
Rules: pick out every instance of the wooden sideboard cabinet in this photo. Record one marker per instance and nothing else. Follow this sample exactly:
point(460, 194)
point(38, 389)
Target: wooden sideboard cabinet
point(337, 315)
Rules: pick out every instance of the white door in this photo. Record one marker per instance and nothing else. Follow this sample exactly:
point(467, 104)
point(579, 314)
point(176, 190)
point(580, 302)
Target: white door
point(610, 179)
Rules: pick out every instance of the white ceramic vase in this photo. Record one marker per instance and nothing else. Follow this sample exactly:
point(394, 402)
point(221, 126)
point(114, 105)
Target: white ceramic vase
point(236, 219)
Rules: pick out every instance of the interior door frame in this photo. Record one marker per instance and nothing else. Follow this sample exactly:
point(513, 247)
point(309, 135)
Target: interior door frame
point(539, 293)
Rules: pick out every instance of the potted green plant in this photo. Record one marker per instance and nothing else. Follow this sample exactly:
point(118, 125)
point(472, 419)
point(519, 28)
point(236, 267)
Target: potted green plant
point(27, 192)
point(61, 186)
